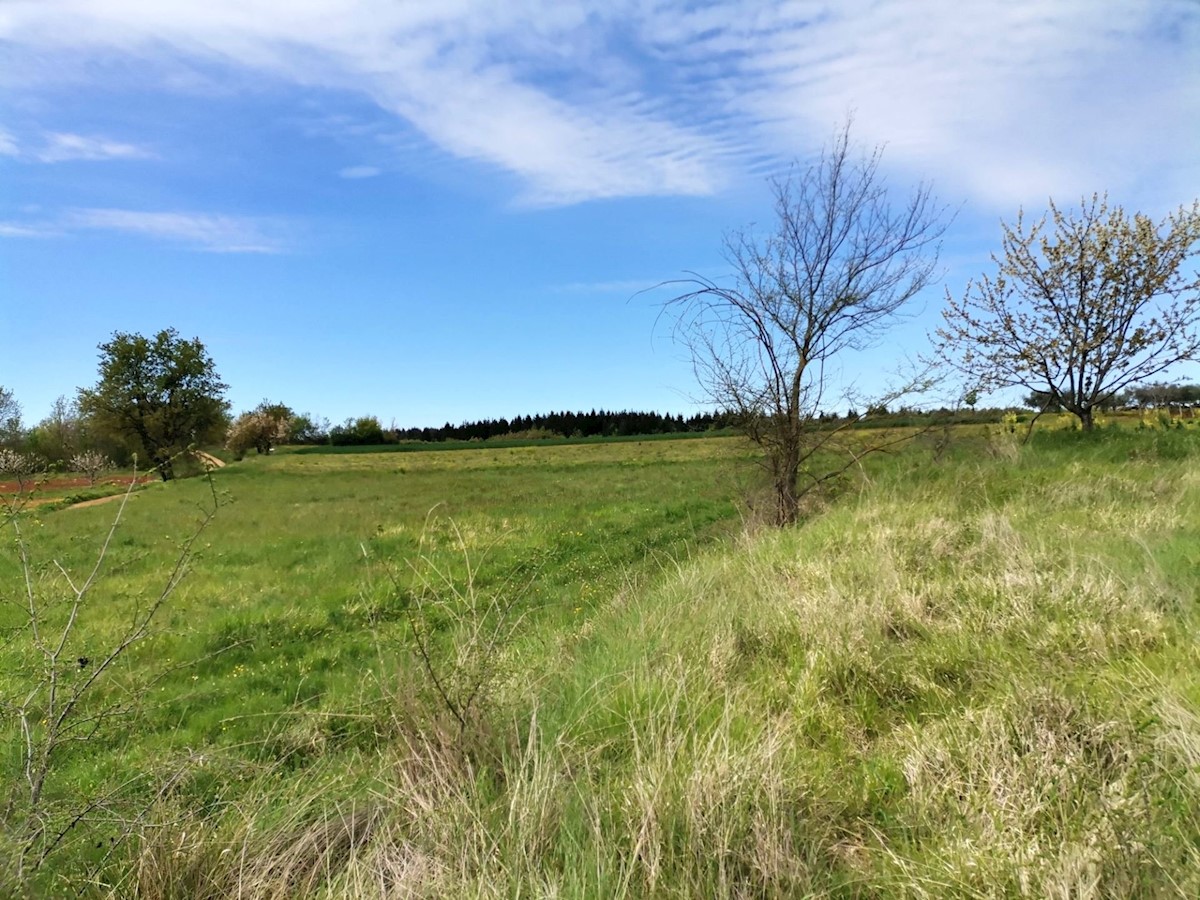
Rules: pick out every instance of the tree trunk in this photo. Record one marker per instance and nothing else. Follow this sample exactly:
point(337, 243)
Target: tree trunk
point(784, 469)
point(1085, 418)
point(787, 506)
point(165, 465)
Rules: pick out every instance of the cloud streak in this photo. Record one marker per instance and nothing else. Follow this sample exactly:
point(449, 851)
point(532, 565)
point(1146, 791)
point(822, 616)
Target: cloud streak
point(61, 147)
point(198, 231)
point(1001, 99)
point(26, 230)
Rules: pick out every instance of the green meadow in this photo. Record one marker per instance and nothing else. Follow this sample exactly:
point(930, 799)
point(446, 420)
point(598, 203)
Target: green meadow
point(584, 671)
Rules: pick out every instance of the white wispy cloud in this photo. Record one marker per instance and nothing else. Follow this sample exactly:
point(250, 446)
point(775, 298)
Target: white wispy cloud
point(27, 230)
point(63, 146)
point(353, 172)
point(1007, 102)
point(208, 232)
point(199, 231)
point(1003, 100)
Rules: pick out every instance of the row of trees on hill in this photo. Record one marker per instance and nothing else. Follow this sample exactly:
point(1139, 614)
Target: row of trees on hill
point(596, 423)
point(272, 424)
point(158, 396)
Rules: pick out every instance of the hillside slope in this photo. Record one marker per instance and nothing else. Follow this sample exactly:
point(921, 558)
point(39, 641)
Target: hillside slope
point(976, 678)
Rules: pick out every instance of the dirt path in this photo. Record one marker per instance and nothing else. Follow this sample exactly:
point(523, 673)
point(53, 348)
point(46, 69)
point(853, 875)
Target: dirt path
point(64, 483)
point(207, 458)
point(95, 502)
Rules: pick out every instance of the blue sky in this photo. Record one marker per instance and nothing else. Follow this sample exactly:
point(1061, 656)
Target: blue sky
point(444, 211)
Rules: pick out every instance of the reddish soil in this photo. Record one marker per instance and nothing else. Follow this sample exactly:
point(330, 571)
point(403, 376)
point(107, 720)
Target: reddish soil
point(64, 483)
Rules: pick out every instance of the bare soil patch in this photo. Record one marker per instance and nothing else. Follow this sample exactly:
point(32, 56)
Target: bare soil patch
point(59, 484)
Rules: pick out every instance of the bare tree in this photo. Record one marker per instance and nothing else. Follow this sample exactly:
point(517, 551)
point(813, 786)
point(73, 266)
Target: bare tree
point(831, 277)
point(1079, 312)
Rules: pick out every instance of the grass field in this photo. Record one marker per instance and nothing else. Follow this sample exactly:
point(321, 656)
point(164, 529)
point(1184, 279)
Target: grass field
point(578, 671)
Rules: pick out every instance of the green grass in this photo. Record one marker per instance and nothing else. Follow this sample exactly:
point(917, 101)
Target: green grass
point(294, 611)
point(974, 676)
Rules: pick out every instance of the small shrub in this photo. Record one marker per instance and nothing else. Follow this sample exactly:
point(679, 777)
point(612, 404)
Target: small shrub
point(363, 431)
point(60, 697)
point(528, 434)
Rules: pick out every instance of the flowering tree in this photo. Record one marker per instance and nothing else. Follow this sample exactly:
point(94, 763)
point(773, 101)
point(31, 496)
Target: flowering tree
point(1081, 307)
point(262, 428)
point(91, 463)
point(21, 467)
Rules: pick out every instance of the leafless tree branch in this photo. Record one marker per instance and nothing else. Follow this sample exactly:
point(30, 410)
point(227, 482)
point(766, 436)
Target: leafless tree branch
point(835, 273)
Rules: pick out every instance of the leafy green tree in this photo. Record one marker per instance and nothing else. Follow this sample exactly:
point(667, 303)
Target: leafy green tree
point(365, 430)
point(1081, 309)
point(10, 418)
point(1042, 401)
point(161, 394)
point(58, 436)
point(308, 429)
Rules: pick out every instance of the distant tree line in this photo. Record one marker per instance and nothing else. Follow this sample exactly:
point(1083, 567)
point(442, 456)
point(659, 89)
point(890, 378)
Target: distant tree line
point(596, 423)
point(1144, 396)
point(366, 430)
